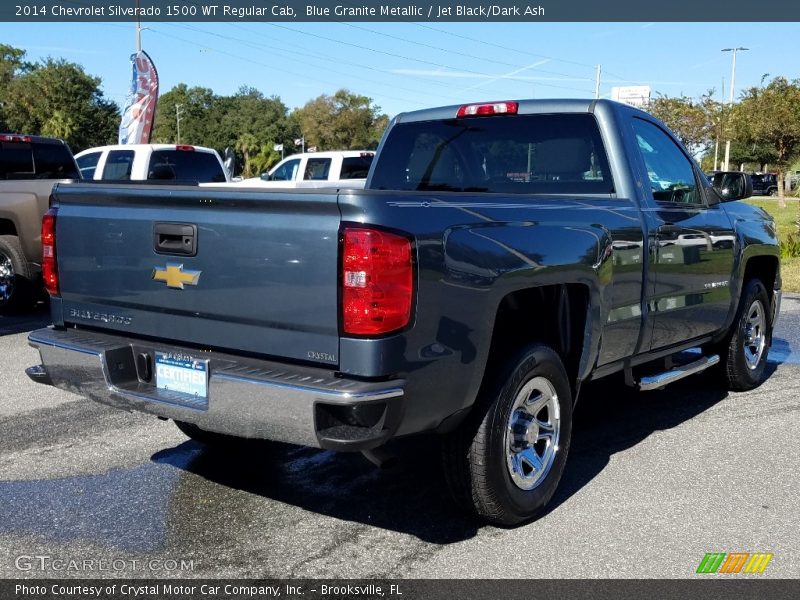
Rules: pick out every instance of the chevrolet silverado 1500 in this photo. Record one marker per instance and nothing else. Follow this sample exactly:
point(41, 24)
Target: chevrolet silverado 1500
point(501, 255)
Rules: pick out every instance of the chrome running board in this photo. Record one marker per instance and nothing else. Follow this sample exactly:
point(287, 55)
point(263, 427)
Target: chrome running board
point(659, 380)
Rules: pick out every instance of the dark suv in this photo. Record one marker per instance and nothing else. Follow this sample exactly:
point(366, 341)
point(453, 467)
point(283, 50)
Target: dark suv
point(764, 184)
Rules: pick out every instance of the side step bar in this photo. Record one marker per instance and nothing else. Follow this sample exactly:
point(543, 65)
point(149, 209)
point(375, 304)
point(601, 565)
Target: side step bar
point(659, 380)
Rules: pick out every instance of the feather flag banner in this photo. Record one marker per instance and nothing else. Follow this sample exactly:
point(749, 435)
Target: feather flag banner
point(140, 105)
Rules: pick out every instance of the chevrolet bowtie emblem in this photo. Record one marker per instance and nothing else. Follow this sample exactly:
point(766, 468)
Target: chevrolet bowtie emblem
point(175, 277)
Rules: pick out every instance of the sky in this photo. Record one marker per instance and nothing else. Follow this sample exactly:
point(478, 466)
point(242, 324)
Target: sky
point(409, 66)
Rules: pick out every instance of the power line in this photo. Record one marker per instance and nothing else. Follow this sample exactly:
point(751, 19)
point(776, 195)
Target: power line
point(501, 47)
point(404, 58)
point(293, 54)
point(456, 52)
point(270, 66)
point(518, 51)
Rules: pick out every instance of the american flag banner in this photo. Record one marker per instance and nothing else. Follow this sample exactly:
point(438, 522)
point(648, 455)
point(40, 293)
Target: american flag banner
point(140, 105)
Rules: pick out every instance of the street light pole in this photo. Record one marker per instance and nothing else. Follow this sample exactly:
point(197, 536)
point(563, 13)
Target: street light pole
point(597, 82)
point(730, 101)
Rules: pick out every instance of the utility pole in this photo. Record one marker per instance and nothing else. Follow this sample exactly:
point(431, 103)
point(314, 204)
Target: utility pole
point(178, 113)
point(138, 30)
point(597, 82)
point(730, 102)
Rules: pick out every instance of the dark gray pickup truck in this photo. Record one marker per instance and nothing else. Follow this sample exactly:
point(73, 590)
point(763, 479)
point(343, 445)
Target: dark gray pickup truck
point(500, 256)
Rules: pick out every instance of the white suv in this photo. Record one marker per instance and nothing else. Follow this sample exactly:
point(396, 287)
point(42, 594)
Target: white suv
point(337, 168)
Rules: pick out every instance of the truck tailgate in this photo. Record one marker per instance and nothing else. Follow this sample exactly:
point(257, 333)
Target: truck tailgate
point(263, 277)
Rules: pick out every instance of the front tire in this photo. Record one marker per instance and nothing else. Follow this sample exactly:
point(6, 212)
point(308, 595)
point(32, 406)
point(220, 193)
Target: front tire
point(745, 357)
point(504, 463)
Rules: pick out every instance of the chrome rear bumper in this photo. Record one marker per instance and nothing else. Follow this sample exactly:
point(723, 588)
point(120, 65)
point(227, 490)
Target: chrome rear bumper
point(246, 397)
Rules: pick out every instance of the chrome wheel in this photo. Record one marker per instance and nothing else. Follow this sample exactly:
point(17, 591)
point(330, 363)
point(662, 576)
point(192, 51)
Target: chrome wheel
point(532, 433)
point(7, 277)
point(755, 339)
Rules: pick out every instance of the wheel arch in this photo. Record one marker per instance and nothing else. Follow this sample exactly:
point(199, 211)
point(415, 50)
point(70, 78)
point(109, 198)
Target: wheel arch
point(555, 315)
point(7, 227)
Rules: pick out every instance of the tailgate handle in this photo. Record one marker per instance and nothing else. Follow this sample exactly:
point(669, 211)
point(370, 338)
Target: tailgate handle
point(175, 238)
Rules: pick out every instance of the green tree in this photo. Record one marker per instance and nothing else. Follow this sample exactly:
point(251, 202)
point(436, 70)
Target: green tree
point(770, 116)
point(247, 145)
point(264, 118)
point(344, 121)
point(58, 98)
point(693, 122)
point(265, 158)
point(247, 121)
point(198, 108)
point(12, 64)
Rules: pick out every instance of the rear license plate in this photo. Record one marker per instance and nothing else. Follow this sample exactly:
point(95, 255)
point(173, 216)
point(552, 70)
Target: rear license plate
point(179, 373)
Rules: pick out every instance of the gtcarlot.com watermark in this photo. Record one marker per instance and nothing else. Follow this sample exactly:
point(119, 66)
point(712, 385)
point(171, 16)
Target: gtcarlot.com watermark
point(46, 563)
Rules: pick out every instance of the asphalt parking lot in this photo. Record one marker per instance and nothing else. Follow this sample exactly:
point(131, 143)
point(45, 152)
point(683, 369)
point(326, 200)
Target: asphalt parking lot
point(654, 481)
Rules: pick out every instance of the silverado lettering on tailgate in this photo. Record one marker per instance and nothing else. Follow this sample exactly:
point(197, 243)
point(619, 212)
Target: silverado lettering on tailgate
point(103, 317)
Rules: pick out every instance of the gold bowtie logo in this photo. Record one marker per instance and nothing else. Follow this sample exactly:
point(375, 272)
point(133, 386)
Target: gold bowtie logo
point(175, 277)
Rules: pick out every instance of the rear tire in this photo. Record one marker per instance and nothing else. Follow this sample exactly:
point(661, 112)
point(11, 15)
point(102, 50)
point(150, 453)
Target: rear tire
point(505, 461)
point(16, 276)
point(745, 357)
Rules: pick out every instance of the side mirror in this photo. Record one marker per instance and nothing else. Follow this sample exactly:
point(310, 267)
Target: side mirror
point(265, 177)
point(732, 185)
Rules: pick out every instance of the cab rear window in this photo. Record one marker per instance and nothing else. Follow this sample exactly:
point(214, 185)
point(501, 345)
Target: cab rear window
point(356, 167)
point(519, 154)
point(185, 165)
point(34, 160)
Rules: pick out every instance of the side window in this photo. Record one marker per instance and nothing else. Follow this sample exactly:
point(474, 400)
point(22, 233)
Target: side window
point(286, 172)
point(118, 165)
point(88, 164)
point(670, 172)
point(317, 168)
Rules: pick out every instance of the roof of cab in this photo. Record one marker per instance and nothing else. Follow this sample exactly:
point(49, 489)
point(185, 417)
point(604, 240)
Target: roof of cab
point(141, 146)
point(526, 107)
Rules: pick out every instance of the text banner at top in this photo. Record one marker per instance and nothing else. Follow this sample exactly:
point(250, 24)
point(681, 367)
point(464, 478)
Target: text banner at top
point(398, 10)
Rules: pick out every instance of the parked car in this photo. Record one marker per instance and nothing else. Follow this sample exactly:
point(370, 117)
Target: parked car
point(348, 168)
point(765, 184)
point(470, 290)
point(29, 166)
point(163, 162)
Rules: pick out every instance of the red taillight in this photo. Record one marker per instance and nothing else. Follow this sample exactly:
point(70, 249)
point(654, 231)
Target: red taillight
point(184, 148)
point(49, 266)
point(488, 108)
point(15, 138)
point(377, 281)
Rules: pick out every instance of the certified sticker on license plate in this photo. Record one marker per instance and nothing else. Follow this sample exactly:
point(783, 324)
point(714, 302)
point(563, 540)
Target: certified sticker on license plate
point(179, 373)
